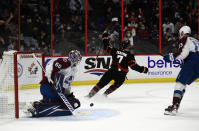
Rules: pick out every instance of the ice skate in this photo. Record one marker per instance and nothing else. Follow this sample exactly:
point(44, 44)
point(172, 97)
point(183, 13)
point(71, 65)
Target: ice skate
point(93, 91)
point(172, 110)
point(105, 95)
point(91, 94)
point(31, 111)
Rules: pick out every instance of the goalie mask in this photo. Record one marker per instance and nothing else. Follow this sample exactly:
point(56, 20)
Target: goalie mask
point(75, 57)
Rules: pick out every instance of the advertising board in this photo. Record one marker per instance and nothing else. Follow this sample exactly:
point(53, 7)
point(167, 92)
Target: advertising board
point(91, 69)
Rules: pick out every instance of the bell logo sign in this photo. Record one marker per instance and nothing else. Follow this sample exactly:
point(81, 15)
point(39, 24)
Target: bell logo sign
point(160, 63)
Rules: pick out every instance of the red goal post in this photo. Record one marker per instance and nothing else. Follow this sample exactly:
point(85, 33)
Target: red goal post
point(28, 54)
point(20, 72)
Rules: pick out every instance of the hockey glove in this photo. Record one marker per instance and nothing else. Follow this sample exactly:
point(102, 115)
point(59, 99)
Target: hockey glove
point(105, 34)
point(145, 69)
point(73, 101)
point(105, 37)
point(169, 57)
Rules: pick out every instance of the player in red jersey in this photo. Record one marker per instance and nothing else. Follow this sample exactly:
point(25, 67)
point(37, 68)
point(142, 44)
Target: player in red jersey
point(122, 59)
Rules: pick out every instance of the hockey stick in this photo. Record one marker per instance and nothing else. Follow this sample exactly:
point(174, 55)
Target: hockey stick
point(97, 54)
point(100, 48)
point(38, 62)
point(61, 95)
point(66, 102)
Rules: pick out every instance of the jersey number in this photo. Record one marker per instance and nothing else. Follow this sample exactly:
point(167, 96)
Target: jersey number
point(120, 58)
point(58, 65)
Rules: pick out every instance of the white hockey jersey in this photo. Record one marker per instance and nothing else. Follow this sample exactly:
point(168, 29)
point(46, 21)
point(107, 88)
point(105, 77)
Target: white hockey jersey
point(186, 45)
point(63, 67)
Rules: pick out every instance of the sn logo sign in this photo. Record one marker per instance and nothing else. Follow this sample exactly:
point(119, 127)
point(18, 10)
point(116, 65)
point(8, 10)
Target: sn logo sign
point(99, 62)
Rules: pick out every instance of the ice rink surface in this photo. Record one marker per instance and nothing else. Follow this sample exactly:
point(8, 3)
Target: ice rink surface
point(133, 107)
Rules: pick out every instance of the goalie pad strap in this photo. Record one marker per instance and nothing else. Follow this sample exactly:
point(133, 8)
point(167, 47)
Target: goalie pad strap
point(46, 110)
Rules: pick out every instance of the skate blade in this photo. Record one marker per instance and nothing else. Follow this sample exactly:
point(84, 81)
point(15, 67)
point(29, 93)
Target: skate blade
point(87, 97)
point(104, 96)
point(170, 113)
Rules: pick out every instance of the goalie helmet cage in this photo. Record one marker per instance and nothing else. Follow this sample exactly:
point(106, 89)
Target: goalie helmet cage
point(19, 70)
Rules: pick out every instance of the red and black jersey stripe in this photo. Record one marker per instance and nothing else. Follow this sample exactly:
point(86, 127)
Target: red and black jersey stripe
point(122, 60)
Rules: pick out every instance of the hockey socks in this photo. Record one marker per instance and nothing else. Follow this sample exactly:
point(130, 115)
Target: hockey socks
point(110, 90)
point(93, 91)
point(177, 97)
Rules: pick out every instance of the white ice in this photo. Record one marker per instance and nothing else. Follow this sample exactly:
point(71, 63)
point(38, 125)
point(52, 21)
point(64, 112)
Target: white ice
point(133, 107)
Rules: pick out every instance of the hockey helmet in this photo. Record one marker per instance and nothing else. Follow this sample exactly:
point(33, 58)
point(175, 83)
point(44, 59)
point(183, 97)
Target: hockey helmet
point(75, 57)
point(184, 30)
point(125, 44)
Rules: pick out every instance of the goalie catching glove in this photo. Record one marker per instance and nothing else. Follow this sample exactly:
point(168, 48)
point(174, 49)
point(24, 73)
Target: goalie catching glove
point(73, 101)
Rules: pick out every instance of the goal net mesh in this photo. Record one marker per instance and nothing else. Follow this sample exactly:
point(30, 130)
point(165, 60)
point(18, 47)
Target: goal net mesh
point(20, 75)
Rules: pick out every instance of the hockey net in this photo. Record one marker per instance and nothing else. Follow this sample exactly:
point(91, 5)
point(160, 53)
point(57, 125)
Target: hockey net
point(20, 75)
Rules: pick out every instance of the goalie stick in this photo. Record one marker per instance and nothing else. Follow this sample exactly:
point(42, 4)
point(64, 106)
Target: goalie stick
point(61, 95)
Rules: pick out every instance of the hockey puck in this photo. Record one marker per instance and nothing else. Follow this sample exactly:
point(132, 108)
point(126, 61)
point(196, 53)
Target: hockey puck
point(91, 104)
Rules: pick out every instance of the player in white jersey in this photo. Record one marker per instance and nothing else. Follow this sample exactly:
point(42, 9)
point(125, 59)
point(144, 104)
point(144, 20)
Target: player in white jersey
point(188, 51)
point(58, 77)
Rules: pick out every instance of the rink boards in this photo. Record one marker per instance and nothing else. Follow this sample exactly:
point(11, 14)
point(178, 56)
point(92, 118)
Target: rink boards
point(91, 69)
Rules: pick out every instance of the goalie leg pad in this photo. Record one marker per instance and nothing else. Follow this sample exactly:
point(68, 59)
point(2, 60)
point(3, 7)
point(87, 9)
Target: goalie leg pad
point(49, 94)
point(50, 109)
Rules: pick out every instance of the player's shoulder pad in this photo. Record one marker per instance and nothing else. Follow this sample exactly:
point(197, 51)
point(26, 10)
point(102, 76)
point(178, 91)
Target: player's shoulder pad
point(64, 62)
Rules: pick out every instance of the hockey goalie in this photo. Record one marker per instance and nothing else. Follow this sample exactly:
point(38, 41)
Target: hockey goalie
point(58, 100)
